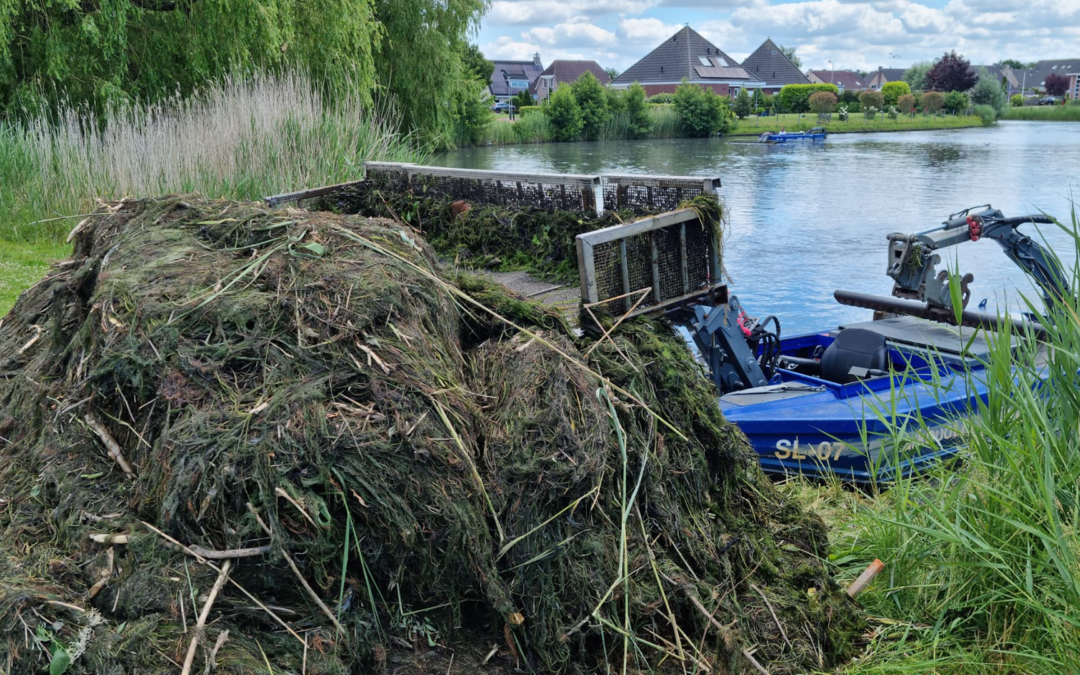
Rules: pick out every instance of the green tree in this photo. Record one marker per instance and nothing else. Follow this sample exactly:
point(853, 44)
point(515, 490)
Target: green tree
point(988, 92)
point(96, 53)
point(790, 53)
point(590, 97)
point(892, 91)
point(611, 72)
point(956, 101)
point(906, 103)
point(871, 99)
point(822, 102)
point(523, 98)
point(744, 105)
point(933, 101)
point(700, 111)
point(1017, 101)
point(476, 64)
point(616, 100)
point(472, 114)
point(637, 110)
point(916, 75)
point(564, 114)
point(1014, 64)
point(420, 59)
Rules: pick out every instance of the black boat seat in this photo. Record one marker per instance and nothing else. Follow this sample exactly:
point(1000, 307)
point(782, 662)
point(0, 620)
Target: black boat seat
point(854, 355)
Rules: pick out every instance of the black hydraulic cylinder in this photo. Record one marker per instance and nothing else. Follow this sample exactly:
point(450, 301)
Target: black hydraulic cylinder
point(924, 311)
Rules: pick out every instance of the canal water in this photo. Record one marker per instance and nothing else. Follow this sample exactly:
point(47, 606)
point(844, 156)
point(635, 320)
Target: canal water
point(808, 219)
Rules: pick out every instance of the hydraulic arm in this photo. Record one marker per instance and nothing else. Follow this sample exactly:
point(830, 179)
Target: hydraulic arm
point(913, 257)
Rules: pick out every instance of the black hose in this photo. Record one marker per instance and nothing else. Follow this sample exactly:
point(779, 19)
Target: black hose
point(1020, 220)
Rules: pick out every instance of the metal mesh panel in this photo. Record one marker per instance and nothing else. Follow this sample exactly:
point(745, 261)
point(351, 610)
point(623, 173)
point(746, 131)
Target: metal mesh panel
point(653, 193)
point(673, 254)
point(552, 192)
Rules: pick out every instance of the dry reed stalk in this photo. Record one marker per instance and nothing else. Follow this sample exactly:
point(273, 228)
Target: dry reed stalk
point(200, 625)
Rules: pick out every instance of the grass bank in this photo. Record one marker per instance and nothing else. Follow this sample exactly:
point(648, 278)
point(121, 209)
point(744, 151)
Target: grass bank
point(23, 264)
point(753, 126)
point(982, 560)
point(238, 140)
point(535, 128)
point(1049, 113)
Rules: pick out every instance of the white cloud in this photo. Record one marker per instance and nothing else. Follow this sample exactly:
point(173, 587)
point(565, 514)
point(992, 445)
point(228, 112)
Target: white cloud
point(518, 12)
point(578, 33)
point(648, 31)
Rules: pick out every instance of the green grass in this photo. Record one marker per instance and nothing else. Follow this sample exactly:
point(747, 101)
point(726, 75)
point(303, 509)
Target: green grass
point(240, 140)
point(1049, 113)
point(753, 126)
point(24, 264)
point(982, 559)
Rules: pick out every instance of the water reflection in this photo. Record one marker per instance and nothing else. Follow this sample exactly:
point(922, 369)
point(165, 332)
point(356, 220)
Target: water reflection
point(808, 219)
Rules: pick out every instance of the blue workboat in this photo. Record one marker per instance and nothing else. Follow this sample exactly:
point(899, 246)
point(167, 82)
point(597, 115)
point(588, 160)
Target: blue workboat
point(868, 401)
point(815, 134)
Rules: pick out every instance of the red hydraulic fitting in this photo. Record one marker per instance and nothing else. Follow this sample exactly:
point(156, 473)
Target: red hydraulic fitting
point(974, 227)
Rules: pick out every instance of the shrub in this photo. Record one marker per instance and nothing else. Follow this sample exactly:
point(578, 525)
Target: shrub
point(590, 97)
point(869, 112)
point(529, 110)
point(956, 101)
point(523, 99)
point(892, 91)
point(843, 113)
point(906, 103)
point(796, 97)
point(989, 92)
point(744, 106)
point(822, 102)
point(761, 111)
point(662, 98)
point(986, 113)
point(701, 112)
point(472, 114)
point(893, 113)
point(1056, 84)
point(1017, 101)
point(639, 121)
point(616, 99)
point(871, 99)
point(565, 114)
point(933, 101)
point(768, 102)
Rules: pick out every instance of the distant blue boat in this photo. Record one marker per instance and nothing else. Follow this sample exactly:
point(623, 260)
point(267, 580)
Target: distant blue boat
point(815, 134)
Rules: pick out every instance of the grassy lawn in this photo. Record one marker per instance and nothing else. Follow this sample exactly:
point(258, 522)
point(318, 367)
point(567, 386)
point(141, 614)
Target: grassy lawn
point(22, 265)
point(752, 126)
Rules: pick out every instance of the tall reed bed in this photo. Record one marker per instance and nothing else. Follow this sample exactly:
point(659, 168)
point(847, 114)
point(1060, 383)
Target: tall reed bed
point(236, 139)
point(983, 559)
point(1050, 113)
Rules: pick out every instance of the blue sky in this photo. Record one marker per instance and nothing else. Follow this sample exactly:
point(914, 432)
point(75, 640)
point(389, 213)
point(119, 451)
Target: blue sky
point(852, 33)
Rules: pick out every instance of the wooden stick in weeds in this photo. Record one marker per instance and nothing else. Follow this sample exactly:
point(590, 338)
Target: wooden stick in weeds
point(200, 625)
point(724, 633)
point(110, 443)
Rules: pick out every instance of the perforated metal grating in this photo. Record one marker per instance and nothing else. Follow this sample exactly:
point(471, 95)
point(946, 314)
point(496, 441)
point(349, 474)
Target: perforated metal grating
point(552, 192)
point(674, 255)
point(653, 193)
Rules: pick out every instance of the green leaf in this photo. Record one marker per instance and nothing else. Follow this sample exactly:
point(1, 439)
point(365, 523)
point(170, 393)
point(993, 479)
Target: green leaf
point(317, 249)
point(61, 660)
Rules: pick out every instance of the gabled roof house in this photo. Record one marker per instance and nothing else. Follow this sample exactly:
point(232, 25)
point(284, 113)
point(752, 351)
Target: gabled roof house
point(772, 66)
point(511, 77)
point(565, 71)
point(881, 76)
point(687, 55)
point(1035, 78)
point(843, 79)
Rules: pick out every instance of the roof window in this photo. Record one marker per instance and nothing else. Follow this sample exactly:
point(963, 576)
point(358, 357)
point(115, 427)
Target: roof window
point(721, 62)
point(704, 61)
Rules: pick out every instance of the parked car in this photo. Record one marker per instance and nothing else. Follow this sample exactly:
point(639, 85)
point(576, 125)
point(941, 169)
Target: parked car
point(503, 106)
point(1048, 100)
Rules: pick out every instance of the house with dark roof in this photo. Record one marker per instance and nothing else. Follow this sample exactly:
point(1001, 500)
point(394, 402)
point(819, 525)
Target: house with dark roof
point(565, 71)
point(512, 77)
point(1034, 79)
point(1000, 73)
point(687, 55)
point(772, 66)
point(882, 76)
point(843, 79)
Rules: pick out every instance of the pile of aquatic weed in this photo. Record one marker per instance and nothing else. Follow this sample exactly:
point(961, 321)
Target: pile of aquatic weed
point(286, 438)
point(491, 236)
